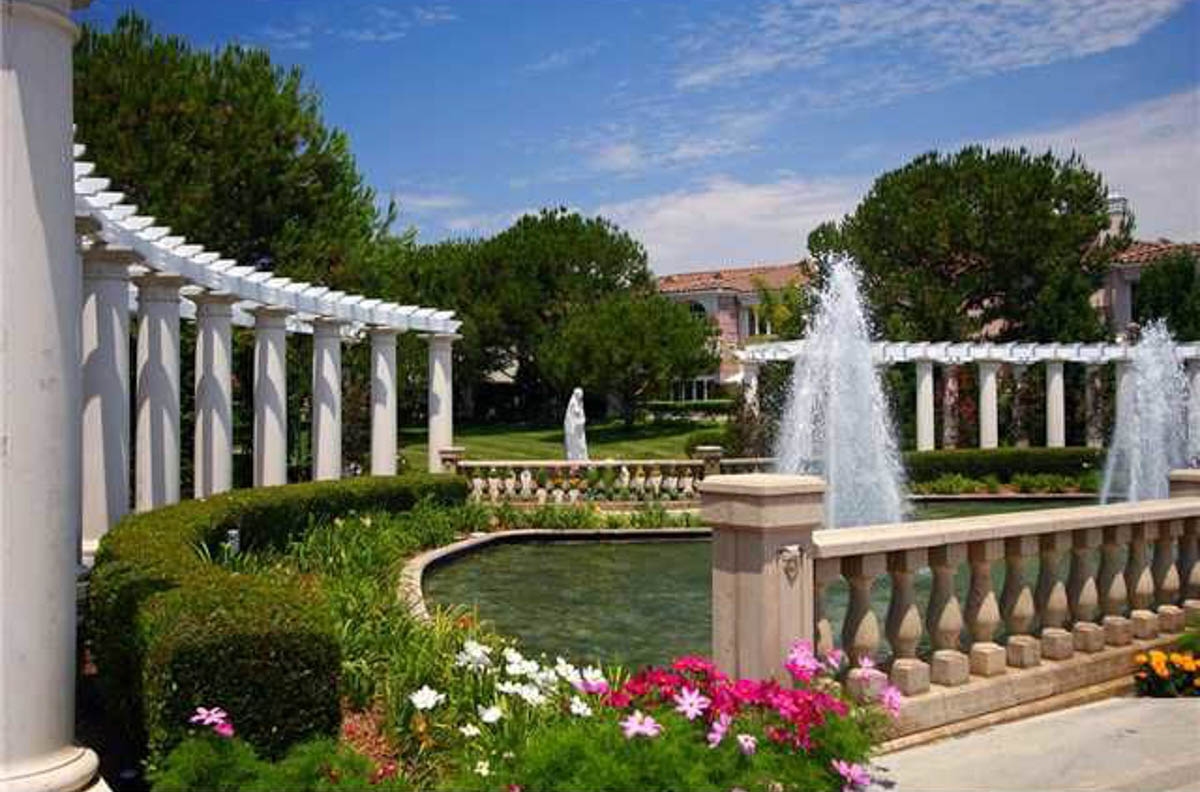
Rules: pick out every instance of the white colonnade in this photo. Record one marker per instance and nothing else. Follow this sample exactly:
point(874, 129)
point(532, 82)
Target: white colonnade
point(989, 359)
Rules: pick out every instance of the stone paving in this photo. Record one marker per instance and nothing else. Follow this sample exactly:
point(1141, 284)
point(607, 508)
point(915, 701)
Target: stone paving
point(1139, 745)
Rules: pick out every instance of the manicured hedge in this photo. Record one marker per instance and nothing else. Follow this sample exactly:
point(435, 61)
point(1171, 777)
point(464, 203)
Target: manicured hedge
point(699, 406)
point(1003, 463)
point(170, 630)
point(709, 437)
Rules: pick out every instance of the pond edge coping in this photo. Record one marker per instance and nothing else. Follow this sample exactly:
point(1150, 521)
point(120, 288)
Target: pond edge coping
point(412, 577)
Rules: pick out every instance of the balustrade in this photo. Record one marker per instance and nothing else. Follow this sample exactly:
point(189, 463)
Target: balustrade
point(571, 482)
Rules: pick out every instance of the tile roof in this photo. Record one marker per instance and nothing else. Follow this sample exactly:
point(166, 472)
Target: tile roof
point(736, 279)
point(1142, 252)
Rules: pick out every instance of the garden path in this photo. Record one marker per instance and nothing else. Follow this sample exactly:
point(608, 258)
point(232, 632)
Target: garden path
point(1139, 745)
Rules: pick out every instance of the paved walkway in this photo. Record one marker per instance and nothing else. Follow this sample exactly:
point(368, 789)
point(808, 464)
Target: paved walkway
point(1139, 745)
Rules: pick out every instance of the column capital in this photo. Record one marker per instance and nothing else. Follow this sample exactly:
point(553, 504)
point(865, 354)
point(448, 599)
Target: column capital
point(380, 333)
point(441, 338)
point(158, 287)
point(325, 327)
point(101, 262)
point(210, 303)
point(270, 317)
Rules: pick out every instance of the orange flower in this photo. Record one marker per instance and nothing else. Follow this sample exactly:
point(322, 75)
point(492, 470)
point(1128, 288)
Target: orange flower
point(1157, 655)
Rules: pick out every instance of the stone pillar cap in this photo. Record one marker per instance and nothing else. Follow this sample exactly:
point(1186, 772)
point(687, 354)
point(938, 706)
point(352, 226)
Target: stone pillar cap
point(762, 484)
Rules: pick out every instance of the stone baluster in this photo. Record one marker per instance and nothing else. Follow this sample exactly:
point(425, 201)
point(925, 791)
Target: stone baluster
point(1139, 583)
point(903, 625)
point(1189, 560)
point(1117, 630)
point(944, 617)
point(510, 482)
point(528, 488)
point(825, 571)
point(1166, 577)
point(670, 481)
point(987, 658)
point(493, 483)
point(1083, 598)
point(1017, 605)
point(1053, 609)
point(860, 633)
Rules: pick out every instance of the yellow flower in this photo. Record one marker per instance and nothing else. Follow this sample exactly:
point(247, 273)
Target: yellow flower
point(1176, 658)
point(1139, 658)
point(1157, 655)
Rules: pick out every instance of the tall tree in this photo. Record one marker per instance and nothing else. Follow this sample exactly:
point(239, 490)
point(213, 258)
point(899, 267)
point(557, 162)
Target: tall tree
point(629, 346)
point(1169, 289)
point(950, 244)
point(230, 150)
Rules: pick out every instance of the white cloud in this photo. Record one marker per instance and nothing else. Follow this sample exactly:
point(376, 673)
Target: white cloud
point(870, 51)
point(725, 222)
point(434, 14)
point(617, 157)
point(429, 202)
point(298, 37)
point(1149, 152)
point(564, 58)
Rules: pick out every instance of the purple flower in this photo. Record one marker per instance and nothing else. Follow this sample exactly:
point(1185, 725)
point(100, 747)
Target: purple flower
point(890, 700)
point(748, 743)
point(717, 732)
point(639, 724)
point(855, 776)
point(691, 703)
point(209, 717)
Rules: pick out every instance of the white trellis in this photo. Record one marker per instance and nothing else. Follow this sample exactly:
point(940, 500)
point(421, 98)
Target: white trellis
point(989, 357)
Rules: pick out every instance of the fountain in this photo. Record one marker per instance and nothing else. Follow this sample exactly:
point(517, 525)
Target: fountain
point(1150, 438)
point(837, 423)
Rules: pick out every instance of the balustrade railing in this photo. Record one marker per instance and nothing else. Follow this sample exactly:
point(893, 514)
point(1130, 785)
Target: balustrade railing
point(1063, 595)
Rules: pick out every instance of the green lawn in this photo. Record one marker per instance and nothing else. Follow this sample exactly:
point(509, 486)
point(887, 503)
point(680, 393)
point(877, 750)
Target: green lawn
point(660, 440)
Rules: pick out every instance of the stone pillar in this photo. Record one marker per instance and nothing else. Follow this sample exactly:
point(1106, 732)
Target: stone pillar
point(270, 396)
point(157, 460)
point(762, 567)
point(383, 401)
point(950, 406)
point(327, 400)
point(441, 396)
point(40, 416)
point(1193, 410)
point(213, 449)
point(925, 405)
point(750, 371)
point(989, 431)
point(1093, 385)
point(105, 391)
point(1056, 413)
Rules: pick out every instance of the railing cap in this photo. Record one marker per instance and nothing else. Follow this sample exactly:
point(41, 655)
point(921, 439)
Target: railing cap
point(763, 485)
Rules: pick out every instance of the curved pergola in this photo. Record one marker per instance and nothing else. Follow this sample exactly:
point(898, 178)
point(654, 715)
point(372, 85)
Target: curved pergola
point(989, 357)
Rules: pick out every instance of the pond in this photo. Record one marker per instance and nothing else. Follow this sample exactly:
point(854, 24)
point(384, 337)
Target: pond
point(631, 602)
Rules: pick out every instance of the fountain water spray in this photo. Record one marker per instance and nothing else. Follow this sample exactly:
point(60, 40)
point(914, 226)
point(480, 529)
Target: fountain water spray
point(837, 423)
point(1150, 439)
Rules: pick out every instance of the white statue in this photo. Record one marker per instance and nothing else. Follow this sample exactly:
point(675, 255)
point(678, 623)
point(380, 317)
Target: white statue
point(573, 428)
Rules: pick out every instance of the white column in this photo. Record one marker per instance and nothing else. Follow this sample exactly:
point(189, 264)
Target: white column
point(1056, 413)
point(213, 449)
point(40, 398)
point(157, 460)
point(383, 401)
point(441, 396)
point(270, 396)
point(327, 400)
point(924, 405)
point(750, 385)
point(105, 391)
point(1193, 381)
point(989, 436)
point(1094, 421)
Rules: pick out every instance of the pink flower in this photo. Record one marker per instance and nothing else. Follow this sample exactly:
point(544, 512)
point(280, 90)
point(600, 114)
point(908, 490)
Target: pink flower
point(834, 660)
point(890, 699)
point(224, 729)
point(747, 743)
point(209, 717)
point(865, 662)
point(639, 724)
point(854, 775)
point(801, 662)
point(719, 727)
point(691, 704)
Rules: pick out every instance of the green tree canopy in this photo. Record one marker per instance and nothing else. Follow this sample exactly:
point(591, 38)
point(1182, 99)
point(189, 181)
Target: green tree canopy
point(1169, 289)
point(629, 345)
point(948, 244)
point(230, 151)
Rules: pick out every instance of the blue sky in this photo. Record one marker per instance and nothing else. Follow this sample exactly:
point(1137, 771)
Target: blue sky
point(720, 132)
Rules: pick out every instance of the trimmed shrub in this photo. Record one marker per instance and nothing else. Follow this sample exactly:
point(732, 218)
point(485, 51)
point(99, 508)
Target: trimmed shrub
point(1002, 463)
point(712, 407)
point(170, 630)
point(716, 437)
